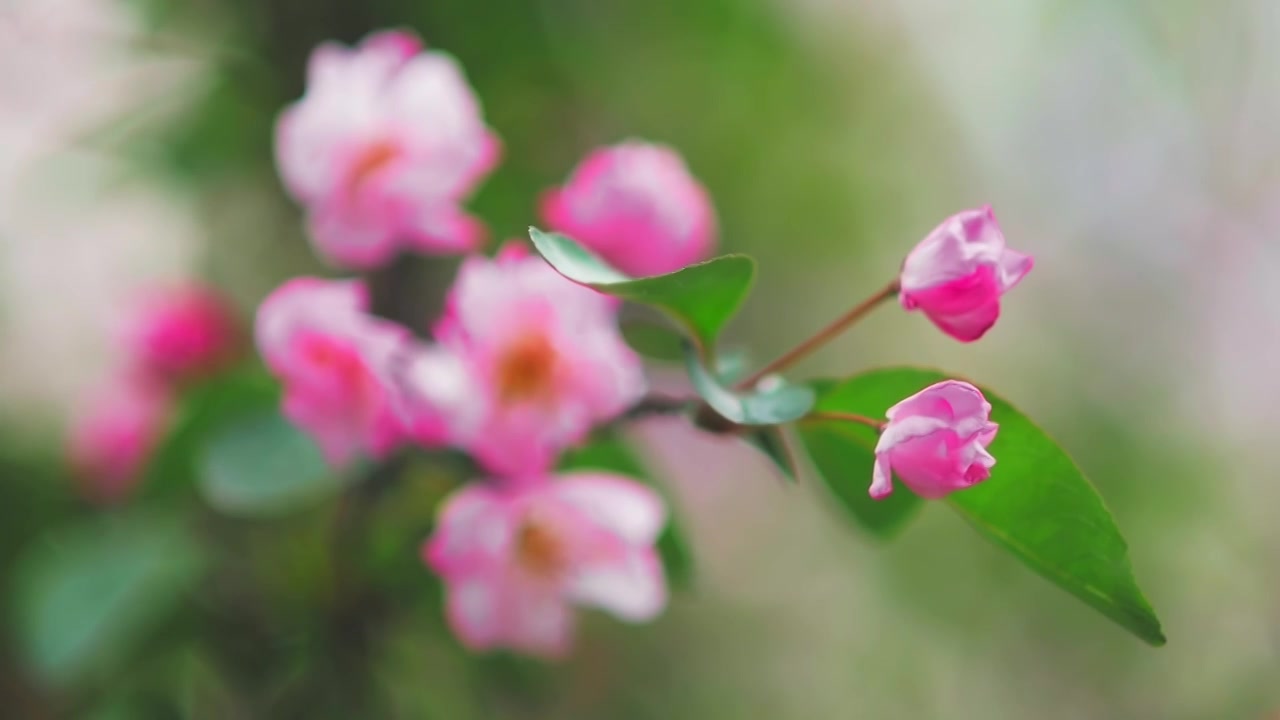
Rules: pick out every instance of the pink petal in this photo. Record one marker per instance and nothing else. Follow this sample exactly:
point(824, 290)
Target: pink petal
point(626, 508)
point(881, 477)
point(629, 584)
point(472, 534)
point(474, 608)
point(538, 622)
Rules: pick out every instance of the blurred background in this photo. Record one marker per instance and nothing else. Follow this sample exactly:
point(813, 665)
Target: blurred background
point(1132, 147)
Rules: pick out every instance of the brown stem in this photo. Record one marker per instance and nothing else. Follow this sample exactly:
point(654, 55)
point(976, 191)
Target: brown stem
point(822, 337)
point(846, 417)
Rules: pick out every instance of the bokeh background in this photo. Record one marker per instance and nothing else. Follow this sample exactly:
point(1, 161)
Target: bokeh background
point(1131, 146)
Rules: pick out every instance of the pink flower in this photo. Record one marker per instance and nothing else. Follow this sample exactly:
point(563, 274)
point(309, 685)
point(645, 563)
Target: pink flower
point(957, 274)
point(384, 146)
point(334, 361)
point(635, 205)
point(541, 360)
point(515, 559)
point(936, 441)
point(112, 440)
point(183, 333)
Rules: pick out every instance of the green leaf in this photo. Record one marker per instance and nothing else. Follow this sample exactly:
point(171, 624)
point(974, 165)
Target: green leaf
point(700, 298)
point(770, 442)
point(1036, 504)
point(203, 410)
point(844, 458)
point(653, 341)
point(86, 595)
point(775, 405)
point(263, 466)
point(611, 453)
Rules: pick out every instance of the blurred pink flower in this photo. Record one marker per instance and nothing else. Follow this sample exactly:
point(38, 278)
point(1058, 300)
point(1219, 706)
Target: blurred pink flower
point(181, 333)
point(115, 434)
point(957, 274)
point(541, 359)
point(514, 559)
point(635, 205)
point(936, 441)
point(384, 146)
point(335, 362)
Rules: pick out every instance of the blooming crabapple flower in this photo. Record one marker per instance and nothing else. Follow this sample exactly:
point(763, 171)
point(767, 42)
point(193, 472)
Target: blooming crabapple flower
point(541, 358)
point(515, 558)
point(636, 206)
point(334, 361)
point(936, 441)
point(181, 333)
point(112, 440)
point(386, 143)
point(957, 274)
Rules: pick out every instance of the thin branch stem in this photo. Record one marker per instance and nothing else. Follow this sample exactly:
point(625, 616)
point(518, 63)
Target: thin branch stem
point(822, 337)
point(847, 417)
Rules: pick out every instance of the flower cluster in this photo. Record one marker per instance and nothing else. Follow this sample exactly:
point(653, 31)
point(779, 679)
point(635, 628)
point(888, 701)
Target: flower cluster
point(382, 151)
point(171, 337)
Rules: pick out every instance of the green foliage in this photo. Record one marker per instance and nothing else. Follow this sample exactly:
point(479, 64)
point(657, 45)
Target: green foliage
point(701, 298)
point(85, 596)
point(771, 442)
point(264, 466)
point(1036, 504)
point(779, 403)
point(203, 410)
point(611, 453)
point(843, 456)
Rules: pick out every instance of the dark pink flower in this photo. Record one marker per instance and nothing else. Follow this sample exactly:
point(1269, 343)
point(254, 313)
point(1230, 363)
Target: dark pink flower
point(936, 441)
point(181, 333)
point(515, 559)
point(539, 360)
point(335, 362)
point(957, 274)
point(383, 148)
point(636, 206)
point(113, 437)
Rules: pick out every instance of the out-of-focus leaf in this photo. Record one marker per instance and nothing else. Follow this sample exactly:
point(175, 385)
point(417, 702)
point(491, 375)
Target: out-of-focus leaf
point(653, 341)
point(263, 466)
point(203, 410)
point(770, 442)
point(701, 298)
point(612, 454)
point(1036, 504)
point(844, 459)
point(86, 595)
point(774, 405)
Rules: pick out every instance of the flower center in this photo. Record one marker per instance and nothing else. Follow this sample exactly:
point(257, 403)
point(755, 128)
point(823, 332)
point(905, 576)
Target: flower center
point(539, 550)
point(371, 159)
point(526, 369)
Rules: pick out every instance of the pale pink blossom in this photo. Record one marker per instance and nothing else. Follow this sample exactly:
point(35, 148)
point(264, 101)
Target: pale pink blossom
point(515, 559)
point(334, 360)
point(541, 359)
point(936, 441)
point(114, 436)
point(957, 274)
point(181, 333)
point(636, 206)
point(383, 148)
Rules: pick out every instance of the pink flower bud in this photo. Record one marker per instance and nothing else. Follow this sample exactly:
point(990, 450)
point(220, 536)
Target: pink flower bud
point(539, 359)
point(936, 441)
point(635, 205)
point(382, 149)
point(112, 440)
point(516, 559)
point(957, 274)
point(183, 333)
point(335, 362)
